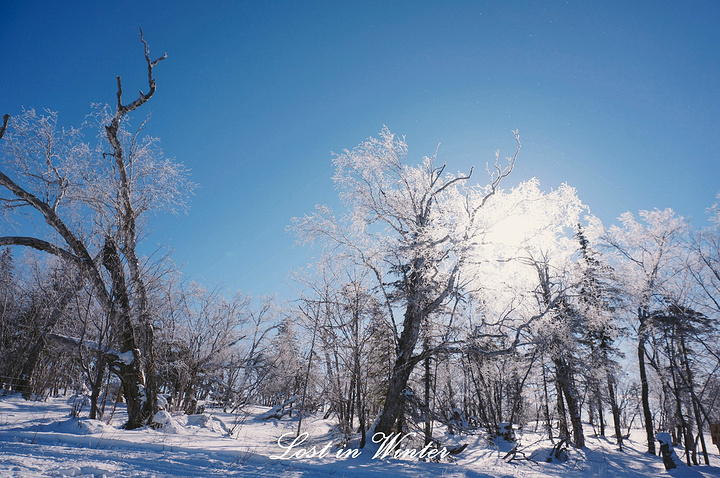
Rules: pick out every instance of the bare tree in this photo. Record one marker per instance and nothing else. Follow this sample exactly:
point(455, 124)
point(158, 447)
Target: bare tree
point(57, 176)
point(346, 314)
point(210, 345)
point(412, 227)
point(647, 252)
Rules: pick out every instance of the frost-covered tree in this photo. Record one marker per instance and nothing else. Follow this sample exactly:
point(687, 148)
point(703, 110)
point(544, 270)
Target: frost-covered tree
point(210, 345)
point(649, 252)
point(349, 342)
point(411, 226)
point(705, 270)
point(286, 375)
point(52, 172)
point(526, 277)
point(9, 305)
point(41, 293)
point(597, 301)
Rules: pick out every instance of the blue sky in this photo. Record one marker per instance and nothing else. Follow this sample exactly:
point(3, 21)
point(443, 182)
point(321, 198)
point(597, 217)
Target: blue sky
point(618, 99)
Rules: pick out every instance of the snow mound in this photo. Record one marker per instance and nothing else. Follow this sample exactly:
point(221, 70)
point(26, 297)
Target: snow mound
point(85, 471)
point(166, 422)
point(75, 426)
point(208, 421)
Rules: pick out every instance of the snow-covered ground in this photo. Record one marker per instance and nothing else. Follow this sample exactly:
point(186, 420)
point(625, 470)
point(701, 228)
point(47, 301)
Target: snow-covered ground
point(38, 439)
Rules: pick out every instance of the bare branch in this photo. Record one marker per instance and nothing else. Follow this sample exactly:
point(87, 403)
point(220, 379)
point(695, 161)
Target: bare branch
point(151, 80)
point(500, 172)
point(6, 118)
point(41, 245)
point(51, 217)
point(453, 181)
point(119, 93)
point(122, 110)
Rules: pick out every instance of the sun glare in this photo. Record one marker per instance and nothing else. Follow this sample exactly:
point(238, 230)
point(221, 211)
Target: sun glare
point(511, 230)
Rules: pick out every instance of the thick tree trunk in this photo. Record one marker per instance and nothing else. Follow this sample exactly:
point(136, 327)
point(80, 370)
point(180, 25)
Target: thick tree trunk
point(695, 405)
point(419, 307)
point(128, 366)
point(565, 382)
point(685, 426)
point(428, 410)
point(146, 322)
point(546, 404)
point(402, 368)
point(575, 417)
point(686, 432)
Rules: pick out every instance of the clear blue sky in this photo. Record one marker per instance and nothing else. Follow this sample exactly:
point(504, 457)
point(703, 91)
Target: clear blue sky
point(619, 99)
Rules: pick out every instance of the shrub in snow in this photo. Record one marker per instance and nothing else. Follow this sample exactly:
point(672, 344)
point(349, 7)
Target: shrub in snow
point(78, 402)
point(560, 451)
point(506, 431)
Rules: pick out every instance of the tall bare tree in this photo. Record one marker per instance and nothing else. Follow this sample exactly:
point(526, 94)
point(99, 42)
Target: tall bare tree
point(412, 227)
point(649, 252)
point(57, 175)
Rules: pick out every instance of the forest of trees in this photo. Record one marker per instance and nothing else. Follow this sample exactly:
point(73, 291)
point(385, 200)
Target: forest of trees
point(462, 299)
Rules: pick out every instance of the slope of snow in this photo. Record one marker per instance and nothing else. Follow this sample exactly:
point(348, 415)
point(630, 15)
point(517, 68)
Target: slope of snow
point(39, 439)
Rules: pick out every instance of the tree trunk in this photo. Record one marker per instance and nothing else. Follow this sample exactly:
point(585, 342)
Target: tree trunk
point(644, 389)
point(481, 409)
point(360, 402)
point(565, 383)
point(428, 411)
point(685, 427)
point(402, 368)
point(359, 397)
point(695, 404)
point(129, 366)
point(96, 384)
point(546, 403)
point(563, 432)
point(615, 411)
point(146, 323)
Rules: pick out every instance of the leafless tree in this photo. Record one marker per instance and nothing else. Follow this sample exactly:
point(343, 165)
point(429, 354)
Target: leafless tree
point(211, 346)
point(63, 179)
point(411, 227)
point(648, 253)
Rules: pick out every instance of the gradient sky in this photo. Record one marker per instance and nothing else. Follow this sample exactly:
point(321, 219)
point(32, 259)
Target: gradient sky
point(618, 99)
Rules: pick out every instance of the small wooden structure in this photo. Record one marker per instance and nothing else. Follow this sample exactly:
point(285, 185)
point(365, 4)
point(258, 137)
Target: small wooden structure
point(715, 434)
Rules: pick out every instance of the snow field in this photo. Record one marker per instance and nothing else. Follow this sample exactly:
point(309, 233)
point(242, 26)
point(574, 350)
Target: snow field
point(38, 439)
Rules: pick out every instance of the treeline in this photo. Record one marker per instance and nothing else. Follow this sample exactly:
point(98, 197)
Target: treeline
point(499, 308)
point(55, 339)
point(435, 300)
